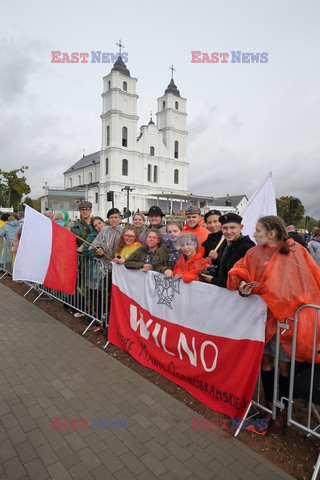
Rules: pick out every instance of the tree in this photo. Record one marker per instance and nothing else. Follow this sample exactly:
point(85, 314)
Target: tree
point(33, 203)
point(13, 187)
point(290, 209)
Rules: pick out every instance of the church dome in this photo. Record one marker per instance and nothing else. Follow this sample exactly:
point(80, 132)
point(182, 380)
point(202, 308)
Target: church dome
point(119, 66)
point(172, 88)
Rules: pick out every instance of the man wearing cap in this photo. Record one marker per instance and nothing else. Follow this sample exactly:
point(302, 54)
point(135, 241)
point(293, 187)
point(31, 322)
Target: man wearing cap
point(83, 226)
point(106, 241)
point(215, 238)
point(155, 215)
point(195, 224)
point(233, 248)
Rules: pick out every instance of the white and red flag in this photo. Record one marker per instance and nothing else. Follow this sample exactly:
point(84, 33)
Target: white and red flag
point(204, 338)
point(46, 254)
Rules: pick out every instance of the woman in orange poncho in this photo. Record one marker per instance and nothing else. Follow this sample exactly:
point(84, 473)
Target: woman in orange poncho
point(288, 277)
point(191, 260)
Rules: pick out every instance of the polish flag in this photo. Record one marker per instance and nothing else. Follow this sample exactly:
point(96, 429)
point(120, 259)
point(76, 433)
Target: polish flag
point(46, 254)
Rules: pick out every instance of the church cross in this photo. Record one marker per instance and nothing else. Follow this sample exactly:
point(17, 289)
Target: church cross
point(120, 45)
point(172, 70)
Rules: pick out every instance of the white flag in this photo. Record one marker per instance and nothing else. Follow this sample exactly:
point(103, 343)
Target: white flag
point(261, 203)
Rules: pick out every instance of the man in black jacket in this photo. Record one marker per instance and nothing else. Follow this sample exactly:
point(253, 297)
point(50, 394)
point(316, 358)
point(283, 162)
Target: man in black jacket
point(214, 240)
point(232, 249)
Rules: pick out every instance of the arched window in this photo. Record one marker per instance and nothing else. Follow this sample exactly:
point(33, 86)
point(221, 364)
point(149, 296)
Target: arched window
point(176, 149)
point(125, 86)
point(149, 173)
point(176, 106)
point(124, 137)
point(109, 84)
point(97, 197)
point(125, 167)
point(90, 177)
point(163, 105)
point(108, 135)
point(107, 166)
point(70, 182)
point(176, 176)
point(79, 180)
point(152, 151)
point(155, 174)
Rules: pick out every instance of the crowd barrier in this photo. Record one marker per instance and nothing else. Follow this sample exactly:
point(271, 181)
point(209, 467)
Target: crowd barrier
point(304, 384)
point(8, 248)
point(91, 297)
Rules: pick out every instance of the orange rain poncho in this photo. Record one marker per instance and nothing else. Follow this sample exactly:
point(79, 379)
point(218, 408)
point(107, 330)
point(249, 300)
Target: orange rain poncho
point(189, 268)
point(287, 282)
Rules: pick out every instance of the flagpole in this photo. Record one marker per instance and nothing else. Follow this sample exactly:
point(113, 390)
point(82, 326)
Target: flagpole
point(94, 246)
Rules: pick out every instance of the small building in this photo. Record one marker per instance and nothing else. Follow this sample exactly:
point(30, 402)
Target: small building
point(235, 203)
point(56, 198)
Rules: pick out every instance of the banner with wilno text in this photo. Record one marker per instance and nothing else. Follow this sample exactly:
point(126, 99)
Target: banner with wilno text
point(204, 338)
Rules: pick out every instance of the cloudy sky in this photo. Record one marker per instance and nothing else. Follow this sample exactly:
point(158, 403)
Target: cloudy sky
point(244, 120)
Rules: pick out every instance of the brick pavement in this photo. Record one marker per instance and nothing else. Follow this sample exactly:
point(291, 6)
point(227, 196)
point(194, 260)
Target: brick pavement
point(46, 370)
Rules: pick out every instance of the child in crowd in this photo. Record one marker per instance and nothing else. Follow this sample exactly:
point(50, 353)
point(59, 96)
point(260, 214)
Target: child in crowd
point(166, 257)
point(143, 257)
point(191, 260)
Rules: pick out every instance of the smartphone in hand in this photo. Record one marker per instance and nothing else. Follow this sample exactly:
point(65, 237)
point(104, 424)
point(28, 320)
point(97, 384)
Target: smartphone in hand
point(252, 284)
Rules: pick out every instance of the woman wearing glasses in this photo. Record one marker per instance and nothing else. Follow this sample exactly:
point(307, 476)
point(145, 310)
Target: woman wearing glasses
point(127, 244)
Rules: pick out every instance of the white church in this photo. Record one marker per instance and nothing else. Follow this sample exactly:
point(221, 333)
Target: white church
point(151, 167)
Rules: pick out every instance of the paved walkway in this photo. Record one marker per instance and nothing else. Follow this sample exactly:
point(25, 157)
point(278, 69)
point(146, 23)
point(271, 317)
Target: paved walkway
point(46, 371)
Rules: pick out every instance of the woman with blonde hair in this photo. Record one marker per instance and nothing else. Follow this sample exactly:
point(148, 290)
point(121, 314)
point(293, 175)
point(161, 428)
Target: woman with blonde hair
point(139, 222)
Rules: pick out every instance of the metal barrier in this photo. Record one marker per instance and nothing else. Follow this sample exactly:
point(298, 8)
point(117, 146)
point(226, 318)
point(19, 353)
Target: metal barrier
point(311, 386)
point(311, 396)
point(8, 248)
point(91, 297)
point(256, 402)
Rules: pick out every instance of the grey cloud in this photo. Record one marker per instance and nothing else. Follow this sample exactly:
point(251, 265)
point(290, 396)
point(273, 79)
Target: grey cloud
point(202, 121)
point(18, 59)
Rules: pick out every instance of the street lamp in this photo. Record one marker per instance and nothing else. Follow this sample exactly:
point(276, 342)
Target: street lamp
point(128, 190)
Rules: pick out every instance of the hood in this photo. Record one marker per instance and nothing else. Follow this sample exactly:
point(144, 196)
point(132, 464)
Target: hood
point(13, 223)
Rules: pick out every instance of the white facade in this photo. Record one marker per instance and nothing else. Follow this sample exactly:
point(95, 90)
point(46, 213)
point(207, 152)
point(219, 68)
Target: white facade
point(152, 163)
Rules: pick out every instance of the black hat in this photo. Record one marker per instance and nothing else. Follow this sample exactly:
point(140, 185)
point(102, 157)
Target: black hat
point(112, 211)
point(155, 210)
point(230, 218)
point(211, 212)
point(85, 205)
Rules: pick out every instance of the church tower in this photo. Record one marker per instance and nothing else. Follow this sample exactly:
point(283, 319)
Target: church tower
point(119, 128)
point(171, 121)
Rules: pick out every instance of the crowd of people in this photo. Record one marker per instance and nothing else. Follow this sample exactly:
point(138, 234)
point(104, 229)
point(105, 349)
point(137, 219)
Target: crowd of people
point(279, 266)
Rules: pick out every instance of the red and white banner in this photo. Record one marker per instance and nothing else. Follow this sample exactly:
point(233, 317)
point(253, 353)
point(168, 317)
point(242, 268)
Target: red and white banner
point(47, 253)
point(204, 338)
